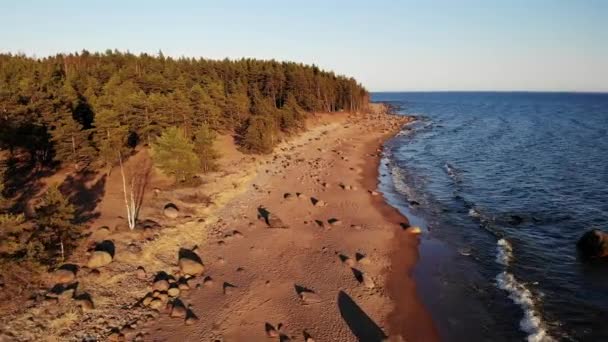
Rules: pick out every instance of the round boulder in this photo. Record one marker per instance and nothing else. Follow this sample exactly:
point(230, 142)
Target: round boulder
point(593, 244)
point(171, 211)
point(99, 259)
point(190, 266)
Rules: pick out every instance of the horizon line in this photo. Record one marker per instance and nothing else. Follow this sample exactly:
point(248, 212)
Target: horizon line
point(599, 92)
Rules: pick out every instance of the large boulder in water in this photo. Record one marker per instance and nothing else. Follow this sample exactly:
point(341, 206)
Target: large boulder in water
point(594, 244)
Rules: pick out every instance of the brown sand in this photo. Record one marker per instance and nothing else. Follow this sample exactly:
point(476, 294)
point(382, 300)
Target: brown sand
point(268, 266)
point(258, 273)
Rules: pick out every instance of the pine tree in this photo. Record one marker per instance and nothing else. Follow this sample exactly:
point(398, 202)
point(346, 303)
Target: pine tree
point(110, 136)
point(203, 146)
point(174, 154)
point(260, 134)
point(55, 219)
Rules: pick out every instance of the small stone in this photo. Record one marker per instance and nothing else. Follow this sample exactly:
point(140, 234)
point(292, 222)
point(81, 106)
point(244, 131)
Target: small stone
point(348, 261)
point(364, 260)
point(208, 281)
point(334, 222)
point(116, 337)
point(271, 332)
point(86, 304)
point(413, 230)
point(309, 297)
point(191, 320)
point(147, 300)
point(238, 234)
point(141, 273)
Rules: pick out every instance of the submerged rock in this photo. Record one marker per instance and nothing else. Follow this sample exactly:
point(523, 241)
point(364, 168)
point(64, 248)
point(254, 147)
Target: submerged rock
point(593, 244)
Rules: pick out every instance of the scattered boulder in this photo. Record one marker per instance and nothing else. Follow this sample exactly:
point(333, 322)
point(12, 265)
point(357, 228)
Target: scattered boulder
point(141, 273)
point(156, 304)
point(368, 281)
point(99, 259)
point(208, 281)
point(190, 263)
point(346, 260)
point(191, 318)
point(362, 259)
point(160, 285)
point(85, 303)
point(287, 196)
point(65, 274)
point(228, 288)
point(173, 291)
point(309, 297)
point(171, 211)
point(271, 220)
point(317, 202)
point(593, 244)
point(334, 221)
point(271, 332)
point(178, 309)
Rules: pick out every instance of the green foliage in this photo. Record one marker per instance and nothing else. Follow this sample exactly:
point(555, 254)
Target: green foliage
point(261, 134)
point(11, 227)
point(203, 146)
point(61, 108)
point(174, 153)
point(110, 136)
point(55, 221)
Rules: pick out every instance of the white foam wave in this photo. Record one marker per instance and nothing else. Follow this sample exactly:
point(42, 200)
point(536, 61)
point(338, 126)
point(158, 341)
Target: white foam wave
point(399, 183)
point(474, 213)
point(532, 322)
point(504, 252)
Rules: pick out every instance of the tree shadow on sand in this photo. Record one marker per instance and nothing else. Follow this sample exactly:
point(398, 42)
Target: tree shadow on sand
point(361, 325)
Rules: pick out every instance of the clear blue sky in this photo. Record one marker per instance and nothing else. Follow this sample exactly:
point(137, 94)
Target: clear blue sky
point(387, 45)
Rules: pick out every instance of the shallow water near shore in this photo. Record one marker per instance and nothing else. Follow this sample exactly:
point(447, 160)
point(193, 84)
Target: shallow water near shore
point(503, 184)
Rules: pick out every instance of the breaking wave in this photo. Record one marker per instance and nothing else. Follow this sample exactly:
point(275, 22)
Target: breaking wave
point(532, 322)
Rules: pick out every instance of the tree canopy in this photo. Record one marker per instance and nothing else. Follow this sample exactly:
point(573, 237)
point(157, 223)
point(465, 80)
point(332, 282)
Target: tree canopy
point(83, 107)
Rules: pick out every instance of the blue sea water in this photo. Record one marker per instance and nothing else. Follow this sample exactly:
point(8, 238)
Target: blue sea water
point(504, 184)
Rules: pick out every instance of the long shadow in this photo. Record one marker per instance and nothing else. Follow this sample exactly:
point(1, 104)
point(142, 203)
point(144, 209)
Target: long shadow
point(361, 325)
point(84, 198)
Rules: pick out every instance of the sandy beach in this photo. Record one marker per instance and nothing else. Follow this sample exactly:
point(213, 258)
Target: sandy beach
point(351, 253)
point(297, 244)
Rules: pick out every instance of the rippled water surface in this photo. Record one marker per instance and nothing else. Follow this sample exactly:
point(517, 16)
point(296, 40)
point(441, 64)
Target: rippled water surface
point(505, 183)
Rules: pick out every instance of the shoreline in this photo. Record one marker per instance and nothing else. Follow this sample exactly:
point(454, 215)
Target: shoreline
point(341, 271)
point(265, 291)
point(409, 317)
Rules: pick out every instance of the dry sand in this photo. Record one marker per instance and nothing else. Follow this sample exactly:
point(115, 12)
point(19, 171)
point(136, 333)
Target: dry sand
point(334, 272)
point(268, 267)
